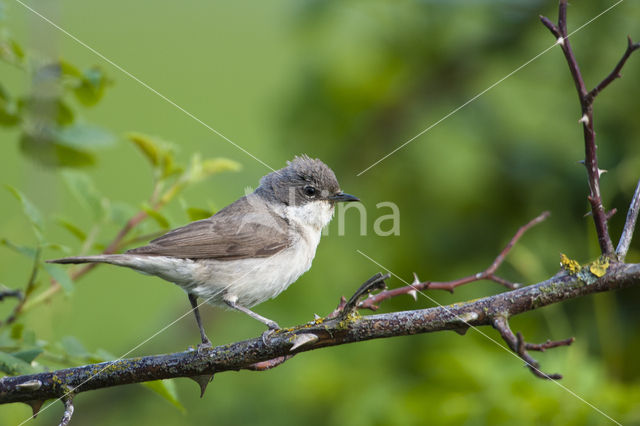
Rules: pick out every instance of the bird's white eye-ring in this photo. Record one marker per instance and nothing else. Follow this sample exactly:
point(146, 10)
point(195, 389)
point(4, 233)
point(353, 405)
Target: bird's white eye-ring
point(309, 191)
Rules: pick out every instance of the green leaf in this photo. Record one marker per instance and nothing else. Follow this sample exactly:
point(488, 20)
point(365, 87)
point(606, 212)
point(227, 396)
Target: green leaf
point(67, 69)
point(73, 229)
point(120, 212)
point(56, 246)
point(212, 166)
point(167, 390)
point(14, 366)
point(44, 149)
point(27, 355)
point(11, 51)
point(83, 189)
point(157, 216)
point(91, 87)
point(149, 147)
point(59, 274)
point(30, 210)
point(104, 355)
point(83, 136)
point(73, 347)
point(29, 338)
point(196, 213)
point(9, 114)
point(200, 170)
point(16, 331)
point(44, 109)
point(29, 252)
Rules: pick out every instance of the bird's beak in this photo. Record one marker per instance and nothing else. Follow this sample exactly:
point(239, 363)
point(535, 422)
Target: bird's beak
point(341, 196)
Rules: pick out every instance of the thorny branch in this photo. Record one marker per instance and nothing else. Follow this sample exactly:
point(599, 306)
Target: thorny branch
point(329, 332)
point(488, 274)
point(586, 97)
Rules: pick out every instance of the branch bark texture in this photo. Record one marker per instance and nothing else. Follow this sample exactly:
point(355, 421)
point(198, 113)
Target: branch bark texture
point(245, 354)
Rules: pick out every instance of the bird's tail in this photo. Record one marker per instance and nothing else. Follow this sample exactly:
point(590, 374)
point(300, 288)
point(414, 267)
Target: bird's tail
point(113, 259)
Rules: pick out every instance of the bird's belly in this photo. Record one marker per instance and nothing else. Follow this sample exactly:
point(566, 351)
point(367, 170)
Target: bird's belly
point(248, 281)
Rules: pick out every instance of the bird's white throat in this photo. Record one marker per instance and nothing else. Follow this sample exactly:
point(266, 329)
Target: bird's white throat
point(316, 214)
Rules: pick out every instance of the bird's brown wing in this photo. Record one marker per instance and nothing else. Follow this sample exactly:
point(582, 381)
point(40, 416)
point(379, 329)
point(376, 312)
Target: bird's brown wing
point(242, 230)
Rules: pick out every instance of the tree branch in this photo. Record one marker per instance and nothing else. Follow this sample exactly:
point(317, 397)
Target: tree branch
point(559, 30)
point(246, 354)
point(631, 47)
point(488, 274)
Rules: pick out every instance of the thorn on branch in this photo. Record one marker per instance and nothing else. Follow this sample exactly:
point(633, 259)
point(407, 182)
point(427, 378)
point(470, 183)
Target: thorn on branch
point(202, 381)
point(68, 410)
point(35, 406)
point(303, 339)
point(520, 347)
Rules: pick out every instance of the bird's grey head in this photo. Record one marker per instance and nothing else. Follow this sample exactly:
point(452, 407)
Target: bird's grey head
point(303, 181)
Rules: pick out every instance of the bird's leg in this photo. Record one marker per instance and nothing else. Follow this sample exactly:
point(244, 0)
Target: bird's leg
point(206, 343)
point(266, 321)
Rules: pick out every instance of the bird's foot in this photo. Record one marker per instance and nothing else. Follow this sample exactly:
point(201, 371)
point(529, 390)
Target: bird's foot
point(266, 336)
point(204, 346)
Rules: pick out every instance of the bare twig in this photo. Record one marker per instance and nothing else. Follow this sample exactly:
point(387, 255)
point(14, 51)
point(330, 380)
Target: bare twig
point(629, 225)
point(559, 30)
point(631, 47)
point(546, 345)
point(488, 274)
point(519, 346)
point(243, 355)
point(31, 285)
point(68, 410)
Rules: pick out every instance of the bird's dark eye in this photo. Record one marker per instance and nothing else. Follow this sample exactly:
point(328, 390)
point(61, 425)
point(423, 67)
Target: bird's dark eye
point(309, 191)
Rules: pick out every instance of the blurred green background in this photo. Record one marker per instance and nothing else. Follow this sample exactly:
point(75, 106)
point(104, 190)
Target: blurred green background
point(347, 82)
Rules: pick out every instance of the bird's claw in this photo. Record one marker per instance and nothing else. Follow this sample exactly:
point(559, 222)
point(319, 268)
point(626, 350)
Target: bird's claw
point(204, 346)
point(266, 336)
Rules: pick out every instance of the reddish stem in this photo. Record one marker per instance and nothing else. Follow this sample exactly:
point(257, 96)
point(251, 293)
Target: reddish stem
point(488, 274)
point(586, 98)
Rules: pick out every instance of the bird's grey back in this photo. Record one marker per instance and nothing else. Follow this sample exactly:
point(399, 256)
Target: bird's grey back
point(247, 228)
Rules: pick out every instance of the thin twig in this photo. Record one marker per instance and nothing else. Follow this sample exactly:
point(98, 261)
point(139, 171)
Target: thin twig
point(68, 411)
point(629, 225)
point(488, 274)
point(631, 47)
point(599, 214)
point(546, 345)
point(519, 346)
point(31, 285)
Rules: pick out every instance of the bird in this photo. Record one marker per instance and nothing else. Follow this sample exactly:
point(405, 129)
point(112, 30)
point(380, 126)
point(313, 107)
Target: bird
point(249, 251)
